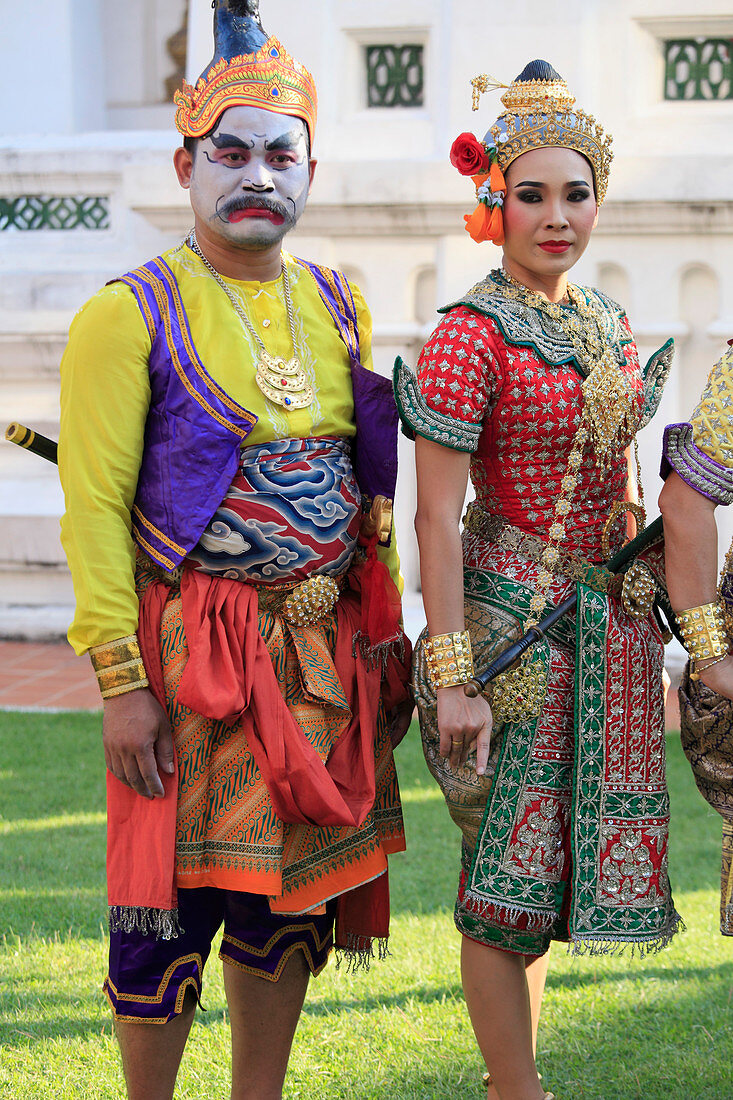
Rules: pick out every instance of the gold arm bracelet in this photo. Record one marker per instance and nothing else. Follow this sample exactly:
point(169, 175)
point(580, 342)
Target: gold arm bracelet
point(449, 660)
point(119, 666)
point(703, 631)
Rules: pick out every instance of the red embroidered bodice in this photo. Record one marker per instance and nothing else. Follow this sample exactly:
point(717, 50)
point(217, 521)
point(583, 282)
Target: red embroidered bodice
point(527, 412)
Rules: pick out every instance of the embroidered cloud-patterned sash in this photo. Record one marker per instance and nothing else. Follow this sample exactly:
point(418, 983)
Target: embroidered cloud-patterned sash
point(293, 509)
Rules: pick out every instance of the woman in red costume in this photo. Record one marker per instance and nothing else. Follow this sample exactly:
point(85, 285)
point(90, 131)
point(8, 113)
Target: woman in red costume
point(532, 385)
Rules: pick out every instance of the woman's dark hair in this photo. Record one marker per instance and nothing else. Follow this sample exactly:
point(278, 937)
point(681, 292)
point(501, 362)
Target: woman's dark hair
point(538, 70)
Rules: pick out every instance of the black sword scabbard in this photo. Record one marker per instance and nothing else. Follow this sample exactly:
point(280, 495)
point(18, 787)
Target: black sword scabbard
point(506, 659)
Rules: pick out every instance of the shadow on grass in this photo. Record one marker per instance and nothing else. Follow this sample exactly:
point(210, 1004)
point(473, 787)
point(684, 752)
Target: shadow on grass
point(671, 976)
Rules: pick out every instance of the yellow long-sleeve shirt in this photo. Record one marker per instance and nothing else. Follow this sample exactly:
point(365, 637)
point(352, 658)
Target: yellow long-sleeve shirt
point(105, 395)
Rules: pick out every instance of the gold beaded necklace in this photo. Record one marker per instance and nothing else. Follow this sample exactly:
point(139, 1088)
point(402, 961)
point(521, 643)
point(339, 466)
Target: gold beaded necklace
point(282, 381)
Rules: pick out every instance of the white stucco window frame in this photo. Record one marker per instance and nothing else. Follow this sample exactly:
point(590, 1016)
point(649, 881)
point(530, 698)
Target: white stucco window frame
point(650, 34)
point(409, 127)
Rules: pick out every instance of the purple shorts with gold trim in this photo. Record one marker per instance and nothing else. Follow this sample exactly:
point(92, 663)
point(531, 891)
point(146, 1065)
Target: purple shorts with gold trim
point(148, 978)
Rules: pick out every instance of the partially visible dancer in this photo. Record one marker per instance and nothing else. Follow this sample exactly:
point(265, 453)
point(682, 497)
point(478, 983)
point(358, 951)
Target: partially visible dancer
point(532, 386)
point(698, 468)
point(225, 453)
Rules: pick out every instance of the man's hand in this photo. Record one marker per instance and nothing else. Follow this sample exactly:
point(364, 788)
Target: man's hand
point(138, 743)
point(399, 720)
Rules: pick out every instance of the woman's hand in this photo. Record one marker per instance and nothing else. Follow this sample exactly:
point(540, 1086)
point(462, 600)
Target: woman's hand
point(719, 677)
point(463, 723)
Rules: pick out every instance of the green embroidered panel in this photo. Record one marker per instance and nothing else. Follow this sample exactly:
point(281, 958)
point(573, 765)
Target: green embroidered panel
point(614, 898)
point(490, 880)
point(418, 418)
point(698, 68)
point(395, 76)
point(33, 212)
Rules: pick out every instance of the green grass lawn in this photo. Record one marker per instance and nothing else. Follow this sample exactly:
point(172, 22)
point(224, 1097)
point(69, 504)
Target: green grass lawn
point(613, 1028)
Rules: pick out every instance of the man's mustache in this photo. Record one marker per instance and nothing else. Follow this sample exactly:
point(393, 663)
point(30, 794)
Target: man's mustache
point(253, 202)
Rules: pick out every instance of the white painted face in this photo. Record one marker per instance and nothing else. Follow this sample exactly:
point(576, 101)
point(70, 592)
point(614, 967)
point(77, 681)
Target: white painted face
point(251, 176)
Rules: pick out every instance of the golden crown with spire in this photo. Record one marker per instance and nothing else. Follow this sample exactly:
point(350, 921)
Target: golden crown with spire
point(541, 112)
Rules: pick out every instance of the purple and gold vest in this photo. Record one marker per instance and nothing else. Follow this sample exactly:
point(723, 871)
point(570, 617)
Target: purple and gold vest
point(194, 430)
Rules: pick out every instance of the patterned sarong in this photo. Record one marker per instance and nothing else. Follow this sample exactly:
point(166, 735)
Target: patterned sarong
point(565, 837)
point(227, 831)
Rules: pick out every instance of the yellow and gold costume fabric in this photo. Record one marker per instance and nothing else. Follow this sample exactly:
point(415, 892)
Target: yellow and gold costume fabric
point(701, 452)
point(712, 420)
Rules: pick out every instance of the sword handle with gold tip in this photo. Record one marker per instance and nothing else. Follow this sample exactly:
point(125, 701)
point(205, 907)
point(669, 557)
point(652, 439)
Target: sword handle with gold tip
point(33, 441)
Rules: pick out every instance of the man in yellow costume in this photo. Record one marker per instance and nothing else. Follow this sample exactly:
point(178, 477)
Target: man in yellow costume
point(228, 458)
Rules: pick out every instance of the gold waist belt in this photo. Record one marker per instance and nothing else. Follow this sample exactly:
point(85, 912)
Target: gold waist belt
point(301, 603)
point(506, 536)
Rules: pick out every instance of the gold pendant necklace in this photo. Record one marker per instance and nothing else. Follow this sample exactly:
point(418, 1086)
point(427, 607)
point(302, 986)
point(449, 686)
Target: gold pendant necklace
point(611, 404)
point(282, 381)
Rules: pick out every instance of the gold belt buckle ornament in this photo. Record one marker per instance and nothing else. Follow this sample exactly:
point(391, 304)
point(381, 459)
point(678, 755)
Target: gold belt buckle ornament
point(638, 591)
point(518, 694)
point(311, 601)
point(620, 507)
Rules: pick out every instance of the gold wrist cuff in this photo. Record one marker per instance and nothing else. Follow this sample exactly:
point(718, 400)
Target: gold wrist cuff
point(449, 659)
point(703, 631)
point(118, 652)
point(119, 666)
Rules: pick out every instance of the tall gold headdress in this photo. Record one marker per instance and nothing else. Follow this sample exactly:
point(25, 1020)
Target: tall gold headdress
point(540, 112)
point(248, 69)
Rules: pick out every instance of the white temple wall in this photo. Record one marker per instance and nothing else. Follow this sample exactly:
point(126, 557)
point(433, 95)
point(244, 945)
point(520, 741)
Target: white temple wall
point(386, 205)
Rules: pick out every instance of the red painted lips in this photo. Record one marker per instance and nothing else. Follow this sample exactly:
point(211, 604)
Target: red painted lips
point(555, 246)
point(256, 212)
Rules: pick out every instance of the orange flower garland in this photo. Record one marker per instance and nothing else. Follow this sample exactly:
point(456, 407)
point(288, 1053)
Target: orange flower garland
point(479, 160)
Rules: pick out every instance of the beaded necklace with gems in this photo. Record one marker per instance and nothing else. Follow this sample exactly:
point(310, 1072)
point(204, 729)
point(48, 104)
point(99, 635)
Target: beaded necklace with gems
point(610, 402)
point(282, 381)
point(518, 695)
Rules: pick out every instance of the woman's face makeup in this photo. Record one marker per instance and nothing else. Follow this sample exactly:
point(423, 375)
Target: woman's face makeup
point(550, 211)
